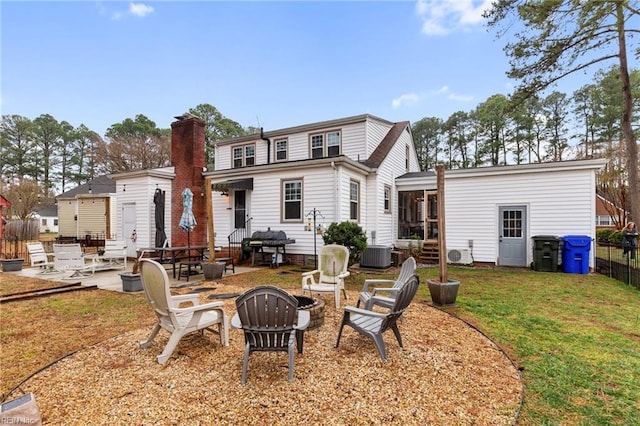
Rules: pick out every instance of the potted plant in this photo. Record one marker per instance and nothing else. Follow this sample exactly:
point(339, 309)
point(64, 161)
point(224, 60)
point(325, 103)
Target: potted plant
point(132, 281)
point(443, 290)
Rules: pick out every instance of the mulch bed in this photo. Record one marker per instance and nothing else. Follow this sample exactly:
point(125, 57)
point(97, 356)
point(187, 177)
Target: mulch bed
point(448, 373)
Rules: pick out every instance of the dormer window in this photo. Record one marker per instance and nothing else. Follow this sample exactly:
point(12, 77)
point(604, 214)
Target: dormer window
point(281, 150)
point(244, 155)
point(325, 144)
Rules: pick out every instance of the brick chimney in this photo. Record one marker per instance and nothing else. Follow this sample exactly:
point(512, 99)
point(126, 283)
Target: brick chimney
point(188, 159)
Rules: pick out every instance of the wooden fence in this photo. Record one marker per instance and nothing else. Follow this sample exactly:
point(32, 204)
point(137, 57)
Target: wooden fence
point(17, 249)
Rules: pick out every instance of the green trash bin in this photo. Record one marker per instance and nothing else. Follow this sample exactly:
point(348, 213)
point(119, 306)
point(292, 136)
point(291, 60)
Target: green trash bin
point(545, 253)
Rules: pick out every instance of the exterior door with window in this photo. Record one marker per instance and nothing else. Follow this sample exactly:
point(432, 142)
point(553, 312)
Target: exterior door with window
point(239, 209)
point(512, 241)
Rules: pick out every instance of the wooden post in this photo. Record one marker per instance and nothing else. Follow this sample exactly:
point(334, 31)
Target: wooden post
point(210, 228)
point(442, 247)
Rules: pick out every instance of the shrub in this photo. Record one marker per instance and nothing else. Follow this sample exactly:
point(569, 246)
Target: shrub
point(604, 234)
point(609, 235)
point(348, 234)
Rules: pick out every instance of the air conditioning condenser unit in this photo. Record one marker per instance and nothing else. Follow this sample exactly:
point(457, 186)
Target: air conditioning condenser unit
point(462, 256)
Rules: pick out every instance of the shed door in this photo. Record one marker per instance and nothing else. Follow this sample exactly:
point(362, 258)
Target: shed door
point(129, 228)
point(512, 246)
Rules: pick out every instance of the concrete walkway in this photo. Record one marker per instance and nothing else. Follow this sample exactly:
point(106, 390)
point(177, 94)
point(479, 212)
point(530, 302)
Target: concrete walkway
point(110, 279)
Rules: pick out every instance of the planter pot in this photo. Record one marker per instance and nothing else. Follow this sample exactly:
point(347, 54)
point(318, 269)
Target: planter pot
point(213, 271)
point(131, 282)
point(10, 265)
point(443, 294)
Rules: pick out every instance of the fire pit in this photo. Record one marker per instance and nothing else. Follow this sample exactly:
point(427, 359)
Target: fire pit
point(315, 308)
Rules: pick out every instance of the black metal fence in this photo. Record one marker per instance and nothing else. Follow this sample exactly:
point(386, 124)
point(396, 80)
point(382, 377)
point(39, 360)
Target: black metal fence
point(612, 261)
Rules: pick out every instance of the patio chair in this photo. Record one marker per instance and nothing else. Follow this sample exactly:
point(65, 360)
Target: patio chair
point(40, 258)
point(331, 273)
point(270, 320)
point(115, 255)
point(372, 295)
point(178, 321)
point(69, 257)
point(373, 324)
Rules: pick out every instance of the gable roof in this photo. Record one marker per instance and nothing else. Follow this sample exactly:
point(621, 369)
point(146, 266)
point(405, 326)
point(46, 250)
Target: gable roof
point(385, 145)
point(100, 185)
point(311, 127)
point(48, 211)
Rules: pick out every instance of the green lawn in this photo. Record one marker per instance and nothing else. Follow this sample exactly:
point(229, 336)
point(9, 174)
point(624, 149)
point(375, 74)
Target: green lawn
point(575, 337)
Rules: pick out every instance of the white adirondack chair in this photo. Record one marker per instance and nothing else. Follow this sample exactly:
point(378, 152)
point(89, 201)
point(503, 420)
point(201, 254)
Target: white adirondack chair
point(114, 256)
point(331, 273)
point(178, 321)
point(39, 257)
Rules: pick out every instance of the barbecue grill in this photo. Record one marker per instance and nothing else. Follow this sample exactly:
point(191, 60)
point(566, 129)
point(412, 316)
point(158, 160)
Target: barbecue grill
point(273, 239)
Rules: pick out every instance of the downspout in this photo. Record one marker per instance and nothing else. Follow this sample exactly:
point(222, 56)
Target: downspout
point(336, 194)
point(268, 145)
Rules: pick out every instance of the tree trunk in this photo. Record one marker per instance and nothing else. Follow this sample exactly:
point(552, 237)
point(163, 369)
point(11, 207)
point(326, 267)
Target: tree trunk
point(627, 113)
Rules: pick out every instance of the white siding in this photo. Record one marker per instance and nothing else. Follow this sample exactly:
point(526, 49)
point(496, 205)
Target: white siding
point(558, 203)
point(140, 191)
point(353, 141)
point(322, 186)
point(376, 131)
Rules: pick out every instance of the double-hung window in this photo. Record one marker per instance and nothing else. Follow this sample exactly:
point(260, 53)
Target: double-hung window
point(292, 200)
point(244, 155)
point(325, 144)
point(281, 150)
point(387, 199)
point(354, 201)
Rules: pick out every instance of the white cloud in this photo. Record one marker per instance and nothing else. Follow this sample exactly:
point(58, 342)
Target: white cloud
point(444, 16)
point(136, 9)
point(140, 9)
point(407, 99)
point(411, 99)
point(443, 89)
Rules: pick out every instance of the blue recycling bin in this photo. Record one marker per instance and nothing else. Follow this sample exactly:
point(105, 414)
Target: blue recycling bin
point(575, 254)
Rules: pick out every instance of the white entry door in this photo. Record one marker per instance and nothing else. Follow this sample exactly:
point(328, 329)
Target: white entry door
point(129, 233)
point(512, 241)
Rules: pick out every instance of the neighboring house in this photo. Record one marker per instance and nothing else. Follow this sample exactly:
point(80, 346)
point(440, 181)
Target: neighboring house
point(605, 210)
point(88, 210)
point(345, 169)
point(47, 217)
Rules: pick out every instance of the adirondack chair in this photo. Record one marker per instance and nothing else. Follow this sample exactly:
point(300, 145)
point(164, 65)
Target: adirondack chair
point(373, 324)
point(39, 257)
point(114, 256)
point(69, 257)
point(178, 321)
point(334, 260)
point(270, 321)
point(373, 295)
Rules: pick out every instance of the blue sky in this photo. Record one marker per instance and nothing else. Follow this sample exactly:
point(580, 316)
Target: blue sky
point(263, 63)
